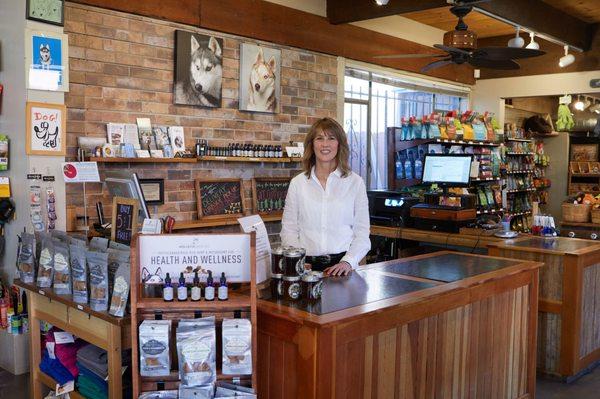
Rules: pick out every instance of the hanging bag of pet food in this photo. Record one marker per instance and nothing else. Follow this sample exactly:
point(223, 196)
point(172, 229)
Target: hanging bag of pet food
point(154, 348)
point(196, 352)
point(46, 263)
point(62, 268)
point(26, 258)
point(79, 273)
point(120, 292)
point(98, 267)
point(116, 258)
point(237, 346)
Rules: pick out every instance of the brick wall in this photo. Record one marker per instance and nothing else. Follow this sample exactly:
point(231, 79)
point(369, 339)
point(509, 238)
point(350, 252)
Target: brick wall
point(121, 68)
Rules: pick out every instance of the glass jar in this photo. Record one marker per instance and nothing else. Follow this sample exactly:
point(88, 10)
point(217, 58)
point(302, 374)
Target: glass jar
point(312, 286)
point(276, 286)
point(291, 288)
point(277, 260)
point(293, 261)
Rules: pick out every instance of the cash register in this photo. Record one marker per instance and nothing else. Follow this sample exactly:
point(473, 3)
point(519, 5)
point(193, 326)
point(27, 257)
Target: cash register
point(390, 208)
point(443, 211)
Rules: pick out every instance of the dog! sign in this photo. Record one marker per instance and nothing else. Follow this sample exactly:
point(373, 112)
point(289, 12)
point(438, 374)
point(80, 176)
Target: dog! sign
point(46, 126)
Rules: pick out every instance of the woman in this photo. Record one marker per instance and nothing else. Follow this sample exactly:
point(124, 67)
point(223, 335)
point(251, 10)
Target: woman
point(326, 208)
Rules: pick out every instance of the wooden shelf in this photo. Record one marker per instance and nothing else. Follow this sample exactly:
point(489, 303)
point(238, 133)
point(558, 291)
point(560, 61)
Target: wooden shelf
point(521, 153)
point(235, 302)
point(585, 174)
point(248, 159)
point(51, 383)
point(466, 142)
point(490, 211)
point(523, 190)
point(405, 144)
point(142, 160)
point(199, 224)
point(519, 172)
point(594, 225)
point(485, 179)
point(519, 213)
point(408, 182)
point(519, 140)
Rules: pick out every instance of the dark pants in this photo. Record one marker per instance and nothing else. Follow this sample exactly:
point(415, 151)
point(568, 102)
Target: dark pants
point(320, 263)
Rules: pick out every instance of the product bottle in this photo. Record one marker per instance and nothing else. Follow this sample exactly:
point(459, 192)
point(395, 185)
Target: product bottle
point(223, 291)
point(209, 291)
point(418, 168)
point(196, 291)
point(408, 169)
point(182, 289)
point(168, 289)
point(399, 168)
point(198, 146)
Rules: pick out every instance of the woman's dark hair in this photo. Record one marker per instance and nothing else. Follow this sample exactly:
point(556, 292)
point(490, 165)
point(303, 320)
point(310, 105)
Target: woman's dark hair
point(328, 126)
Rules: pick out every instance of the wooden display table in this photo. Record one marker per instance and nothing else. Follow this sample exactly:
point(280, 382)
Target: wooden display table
point(110, 333)
point(437, 325)
point(569, 318)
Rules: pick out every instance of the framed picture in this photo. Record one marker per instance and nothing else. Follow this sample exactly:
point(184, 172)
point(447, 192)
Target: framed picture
point(584, 152)
point(268, 195)
point(48, 11)
point(198, 69)
point(45, 129)
point(219, 198)
point(260, 78)
point(46, 60)
point(154, 191)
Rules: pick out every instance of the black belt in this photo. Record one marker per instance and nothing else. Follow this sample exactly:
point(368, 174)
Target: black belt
point(322, 262)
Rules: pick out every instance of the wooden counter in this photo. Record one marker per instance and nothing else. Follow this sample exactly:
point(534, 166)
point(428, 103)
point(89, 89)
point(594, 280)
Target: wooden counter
point(569, 307)
point(438, 325)
point(470, 240)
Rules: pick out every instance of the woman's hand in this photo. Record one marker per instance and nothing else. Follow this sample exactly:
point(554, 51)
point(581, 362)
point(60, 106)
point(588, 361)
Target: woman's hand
point(340, 269)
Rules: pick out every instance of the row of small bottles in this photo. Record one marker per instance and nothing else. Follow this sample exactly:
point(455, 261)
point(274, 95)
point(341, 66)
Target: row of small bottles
point(195, 291)
point(409, 169)
point(239, 150)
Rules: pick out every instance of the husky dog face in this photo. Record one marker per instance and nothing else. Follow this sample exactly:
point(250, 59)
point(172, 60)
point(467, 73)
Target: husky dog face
point(45, 53)
point(206, 67)
point(262, 75)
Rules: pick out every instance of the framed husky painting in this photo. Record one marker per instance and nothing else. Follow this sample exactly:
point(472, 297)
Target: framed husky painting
point(198, 69)
point(47, 60)
point(260, 78)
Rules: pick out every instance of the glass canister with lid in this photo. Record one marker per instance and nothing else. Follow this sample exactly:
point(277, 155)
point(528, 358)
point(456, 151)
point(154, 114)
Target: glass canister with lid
point(276, 286)
point(312, 286)
point(277, 261)
point(293, 261)
point(292, 290)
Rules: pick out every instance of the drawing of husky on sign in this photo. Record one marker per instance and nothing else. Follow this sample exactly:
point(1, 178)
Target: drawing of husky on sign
point(198, 69)
point(260, 78)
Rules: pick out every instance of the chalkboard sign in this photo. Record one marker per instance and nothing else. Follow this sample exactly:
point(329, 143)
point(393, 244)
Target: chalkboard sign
point(268, 195)
point(219, 198)
point(124, 219)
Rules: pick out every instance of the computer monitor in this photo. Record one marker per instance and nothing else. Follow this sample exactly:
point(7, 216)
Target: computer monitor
point(127, 185)
point(449, 170)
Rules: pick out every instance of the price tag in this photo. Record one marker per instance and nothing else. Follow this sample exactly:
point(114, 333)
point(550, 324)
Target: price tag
point(33, 176)
point(42, 292)
point(63, 337)
point(63, 389)
point(48, 178)
point(80, 307)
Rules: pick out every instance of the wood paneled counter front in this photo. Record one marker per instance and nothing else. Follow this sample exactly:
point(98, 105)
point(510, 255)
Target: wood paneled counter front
point(569, 304)
point(445, 324)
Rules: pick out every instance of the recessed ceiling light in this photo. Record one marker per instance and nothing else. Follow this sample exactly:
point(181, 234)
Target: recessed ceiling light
point(567, 59)
point(381, 2)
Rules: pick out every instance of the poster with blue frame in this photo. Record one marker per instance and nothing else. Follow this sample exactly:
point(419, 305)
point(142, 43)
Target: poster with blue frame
point(47, 61)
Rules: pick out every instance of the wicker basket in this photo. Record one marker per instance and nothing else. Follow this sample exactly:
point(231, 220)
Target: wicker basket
point(576, 213)
point(596, 216)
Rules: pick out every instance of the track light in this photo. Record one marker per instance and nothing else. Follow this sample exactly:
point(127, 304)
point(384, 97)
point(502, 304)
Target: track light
point(381, 2)
point(579, 105)
point(516, 41)
point(533, 45)
point(567, 59)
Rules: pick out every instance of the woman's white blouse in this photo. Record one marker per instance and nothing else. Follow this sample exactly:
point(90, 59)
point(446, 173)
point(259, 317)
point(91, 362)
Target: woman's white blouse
point(328, 221)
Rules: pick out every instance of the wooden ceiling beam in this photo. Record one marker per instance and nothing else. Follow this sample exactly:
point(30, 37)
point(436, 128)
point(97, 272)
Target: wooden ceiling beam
point(345, 11)
point(542, 18)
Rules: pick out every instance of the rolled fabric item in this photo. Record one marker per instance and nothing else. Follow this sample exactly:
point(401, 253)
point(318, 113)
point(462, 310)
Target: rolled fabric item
point(55, 369)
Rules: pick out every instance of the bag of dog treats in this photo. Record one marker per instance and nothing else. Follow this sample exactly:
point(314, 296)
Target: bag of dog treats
point(120, 292)
point(196, 352)
point(159, 395)
point(201, 392)
point(98, 267)
point(46, 263)
point(154, 348)
point(62, 269)
point(237, 346)
point(229, 390)
point(116, 259)
point(99, 244)
point(119, 246)
point(78, 240)
point(26, 258)
point(79, 273)
point(59, 235)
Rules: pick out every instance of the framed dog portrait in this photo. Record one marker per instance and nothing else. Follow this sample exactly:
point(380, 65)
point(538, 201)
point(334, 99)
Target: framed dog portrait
point(47, 61)
point(260, 78)
point(45, 129)
point(198, 69)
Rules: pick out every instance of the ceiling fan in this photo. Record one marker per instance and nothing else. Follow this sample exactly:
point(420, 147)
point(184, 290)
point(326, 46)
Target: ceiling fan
point(460, 46)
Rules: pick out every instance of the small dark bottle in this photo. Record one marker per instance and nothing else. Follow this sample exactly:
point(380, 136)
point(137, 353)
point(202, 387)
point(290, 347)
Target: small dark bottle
point(196, 290)
point(271, 153)
point(223, 293)
point(251, 151)
point(182, 292)
point(261, 152)
point(238, 151)
point(168, 289)
point(198, 147)
point(209, 291)
point(279, 152)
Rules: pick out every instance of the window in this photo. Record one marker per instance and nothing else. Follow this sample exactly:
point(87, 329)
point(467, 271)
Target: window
point(374, 102)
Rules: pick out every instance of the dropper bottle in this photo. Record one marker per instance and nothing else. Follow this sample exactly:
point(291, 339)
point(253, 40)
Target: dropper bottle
point(209, 291)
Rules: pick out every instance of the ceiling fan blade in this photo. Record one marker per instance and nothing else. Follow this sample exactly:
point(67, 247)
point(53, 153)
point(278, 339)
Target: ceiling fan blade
point(451, 49)
point(506, 53)
point(493, 64)
point(399, 56)
point(436, 64)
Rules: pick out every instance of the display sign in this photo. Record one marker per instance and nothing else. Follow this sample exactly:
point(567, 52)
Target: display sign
point(80, 172)
point(175, 254)
point(268, 194)
point(219, 198)
point(124, 219)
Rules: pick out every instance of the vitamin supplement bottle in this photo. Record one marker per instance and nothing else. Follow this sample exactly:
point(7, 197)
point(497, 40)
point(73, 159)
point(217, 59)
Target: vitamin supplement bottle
point(209, 291)
point(196, 291)
point(223, 291)
point(182, 289)
point(168, 289)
